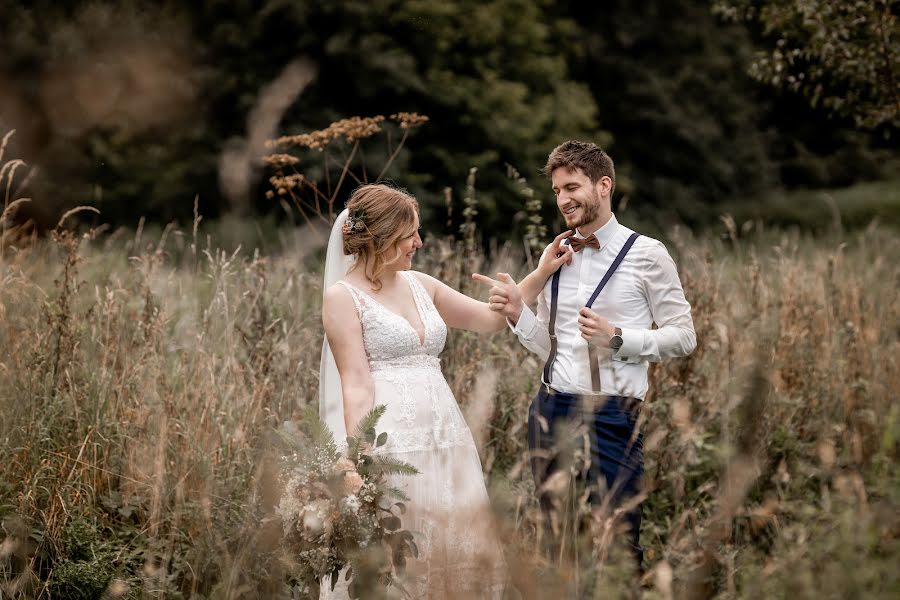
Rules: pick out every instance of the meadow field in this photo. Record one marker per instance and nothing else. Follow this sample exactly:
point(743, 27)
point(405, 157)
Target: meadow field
point(153, 376)
point(144, 376)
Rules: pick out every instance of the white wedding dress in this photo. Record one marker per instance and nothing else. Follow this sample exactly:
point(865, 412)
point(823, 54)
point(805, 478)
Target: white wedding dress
point(448, 511)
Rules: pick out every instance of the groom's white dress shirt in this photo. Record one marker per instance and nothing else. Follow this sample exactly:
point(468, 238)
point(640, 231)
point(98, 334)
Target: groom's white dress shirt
point(645, 289)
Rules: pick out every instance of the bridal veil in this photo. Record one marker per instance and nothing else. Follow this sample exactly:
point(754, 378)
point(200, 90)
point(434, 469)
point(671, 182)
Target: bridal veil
point(331, 400)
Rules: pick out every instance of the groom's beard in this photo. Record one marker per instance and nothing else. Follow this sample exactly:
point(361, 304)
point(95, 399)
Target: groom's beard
point(590, 210)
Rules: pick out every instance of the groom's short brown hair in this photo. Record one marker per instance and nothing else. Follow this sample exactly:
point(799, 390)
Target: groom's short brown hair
point(587, 156)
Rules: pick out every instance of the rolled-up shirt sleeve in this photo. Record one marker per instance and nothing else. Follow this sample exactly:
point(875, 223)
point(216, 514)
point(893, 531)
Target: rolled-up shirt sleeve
point(674, 335)
point(532, 329)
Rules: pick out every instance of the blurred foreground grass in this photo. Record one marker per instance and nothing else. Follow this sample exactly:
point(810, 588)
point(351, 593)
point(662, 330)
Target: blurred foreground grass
point(141, 379)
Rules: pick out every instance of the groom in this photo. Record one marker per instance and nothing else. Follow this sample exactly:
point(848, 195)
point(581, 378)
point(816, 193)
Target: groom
point(593, 328)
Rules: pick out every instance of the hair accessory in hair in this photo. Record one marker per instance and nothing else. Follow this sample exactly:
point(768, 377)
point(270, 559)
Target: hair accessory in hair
point(355, 223)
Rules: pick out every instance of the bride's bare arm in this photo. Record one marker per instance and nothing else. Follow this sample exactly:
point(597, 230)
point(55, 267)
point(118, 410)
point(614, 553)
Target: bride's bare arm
point(508, 298)
point(460, 311)
point(344, 332)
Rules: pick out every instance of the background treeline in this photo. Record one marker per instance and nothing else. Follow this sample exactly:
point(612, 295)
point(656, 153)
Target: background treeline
point(129, 106)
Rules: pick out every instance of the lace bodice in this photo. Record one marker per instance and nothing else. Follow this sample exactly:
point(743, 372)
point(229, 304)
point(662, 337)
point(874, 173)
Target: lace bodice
point(389, 339)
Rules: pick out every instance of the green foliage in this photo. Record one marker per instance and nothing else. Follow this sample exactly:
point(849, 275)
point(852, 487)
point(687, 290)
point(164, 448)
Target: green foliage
point(535, 229)
point(468, 229)
point(364, 434)
point(81, 540)
point(686, 122)
point(488, 73)
point(386, 465)
point(92, 565)
point(318, 432)
point(81, 580)
point(130, 106)
point(842, 55)
point(840, 551)
point(689, 129)
point(821, 211)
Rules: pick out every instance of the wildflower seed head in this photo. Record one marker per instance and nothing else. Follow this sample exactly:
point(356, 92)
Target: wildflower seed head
point(285, 184)
point(352, 129)
point(409, 120)
point(279, 161)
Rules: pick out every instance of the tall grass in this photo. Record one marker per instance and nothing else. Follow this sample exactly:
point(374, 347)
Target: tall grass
point(141, 381)
point(144, 374)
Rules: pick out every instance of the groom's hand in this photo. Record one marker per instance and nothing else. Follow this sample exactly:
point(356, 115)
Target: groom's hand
point(505, 297)
point(594, 328)
point(556, 255)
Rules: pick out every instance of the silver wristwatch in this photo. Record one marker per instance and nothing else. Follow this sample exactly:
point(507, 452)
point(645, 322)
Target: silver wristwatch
point(615, 342)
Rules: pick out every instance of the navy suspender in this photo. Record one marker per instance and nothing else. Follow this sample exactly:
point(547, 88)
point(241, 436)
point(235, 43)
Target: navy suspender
point(612, 269)
point(554, 295)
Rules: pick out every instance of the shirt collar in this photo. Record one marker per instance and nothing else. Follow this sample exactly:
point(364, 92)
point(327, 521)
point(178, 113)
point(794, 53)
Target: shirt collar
point(605, 234)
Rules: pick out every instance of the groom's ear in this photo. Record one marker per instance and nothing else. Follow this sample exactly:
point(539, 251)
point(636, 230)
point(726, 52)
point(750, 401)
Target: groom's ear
point(604, 186)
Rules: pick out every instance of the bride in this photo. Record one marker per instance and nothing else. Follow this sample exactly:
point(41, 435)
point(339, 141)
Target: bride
point(385, 326)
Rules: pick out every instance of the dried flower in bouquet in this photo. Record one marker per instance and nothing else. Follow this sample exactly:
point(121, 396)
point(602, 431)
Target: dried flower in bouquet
point(339, 510)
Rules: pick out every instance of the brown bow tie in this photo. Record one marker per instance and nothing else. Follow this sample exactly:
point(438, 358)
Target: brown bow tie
point(579, 243)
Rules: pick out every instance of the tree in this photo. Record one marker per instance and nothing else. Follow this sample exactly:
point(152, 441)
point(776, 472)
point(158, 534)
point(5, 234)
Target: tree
point(841, 54)
point(489, 75)
point(670, 86)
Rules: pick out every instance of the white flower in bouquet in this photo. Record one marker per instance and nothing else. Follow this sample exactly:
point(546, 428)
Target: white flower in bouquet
point(315, 517)
point(350, 504)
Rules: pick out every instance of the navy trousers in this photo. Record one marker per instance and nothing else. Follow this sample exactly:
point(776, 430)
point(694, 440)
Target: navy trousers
point(616, 463)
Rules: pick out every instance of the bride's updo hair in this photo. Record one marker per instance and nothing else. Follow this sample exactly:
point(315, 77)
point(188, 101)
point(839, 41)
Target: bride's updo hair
point(380, 216)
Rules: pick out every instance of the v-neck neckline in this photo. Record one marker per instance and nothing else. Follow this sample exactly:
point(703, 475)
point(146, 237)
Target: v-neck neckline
point(419, 338)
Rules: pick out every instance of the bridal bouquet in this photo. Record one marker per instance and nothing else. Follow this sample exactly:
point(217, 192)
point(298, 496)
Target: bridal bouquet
point(338, 510)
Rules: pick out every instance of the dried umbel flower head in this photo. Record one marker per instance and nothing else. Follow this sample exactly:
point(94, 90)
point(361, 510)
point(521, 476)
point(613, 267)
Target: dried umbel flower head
point(409, 120)
point(283, 184)
point(388, 215)
point(279, 161)
point(352, 129)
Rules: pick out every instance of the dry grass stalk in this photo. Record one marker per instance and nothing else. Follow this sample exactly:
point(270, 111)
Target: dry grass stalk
point(140, 395)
